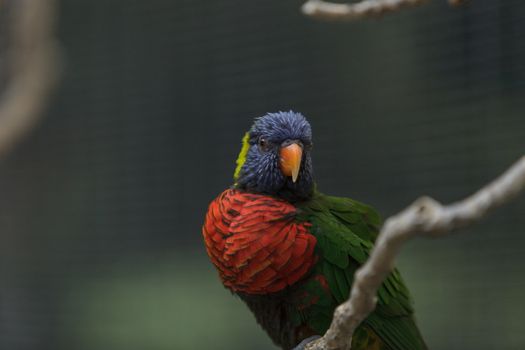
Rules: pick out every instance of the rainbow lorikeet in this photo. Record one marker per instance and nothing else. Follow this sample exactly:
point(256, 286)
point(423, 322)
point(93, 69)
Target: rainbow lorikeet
point(290, 252)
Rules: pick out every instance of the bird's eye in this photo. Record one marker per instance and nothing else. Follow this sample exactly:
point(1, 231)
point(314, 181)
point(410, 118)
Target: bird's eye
point(263, 144)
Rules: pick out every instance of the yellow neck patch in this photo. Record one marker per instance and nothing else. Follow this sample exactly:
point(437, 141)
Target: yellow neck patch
point(242, 156)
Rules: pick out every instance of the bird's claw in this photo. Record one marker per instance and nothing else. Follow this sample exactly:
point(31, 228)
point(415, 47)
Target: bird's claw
point(302, 344)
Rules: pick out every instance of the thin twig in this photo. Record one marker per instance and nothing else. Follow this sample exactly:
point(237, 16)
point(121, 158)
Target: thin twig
point(366, 8)
point(348, 12)
point(33, 56)
point(425, 217)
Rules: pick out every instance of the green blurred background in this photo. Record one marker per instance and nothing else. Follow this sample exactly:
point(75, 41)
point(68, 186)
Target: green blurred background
point(101, 206)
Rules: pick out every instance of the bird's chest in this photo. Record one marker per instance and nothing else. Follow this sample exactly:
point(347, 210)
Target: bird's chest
point(256, 243)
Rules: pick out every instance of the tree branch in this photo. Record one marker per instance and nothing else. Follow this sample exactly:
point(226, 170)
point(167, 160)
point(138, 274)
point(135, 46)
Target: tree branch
point(33, 59)
point(366, 8)
point(425, 217)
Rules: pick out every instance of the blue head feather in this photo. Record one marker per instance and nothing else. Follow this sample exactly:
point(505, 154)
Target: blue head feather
point(261, 171)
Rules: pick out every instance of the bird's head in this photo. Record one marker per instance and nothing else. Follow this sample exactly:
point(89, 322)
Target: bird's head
point(275, 157)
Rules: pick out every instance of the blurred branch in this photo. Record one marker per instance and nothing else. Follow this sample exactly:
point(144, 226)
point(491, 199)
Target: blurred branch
point(365, 8)
point(33, 56)
point(425, 217)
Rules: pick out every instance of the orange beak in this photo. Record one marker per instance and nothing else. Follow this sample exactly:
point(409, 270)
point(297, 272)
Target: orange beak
point(291, 157)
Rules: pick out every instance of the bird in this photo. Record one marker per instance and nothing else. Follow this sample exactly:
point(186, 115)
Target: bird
point(290, 252)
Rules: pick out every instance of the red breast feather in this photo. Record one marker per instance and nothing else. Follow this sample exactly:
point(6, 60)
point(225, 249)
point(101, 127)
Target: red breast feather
point(255, 242)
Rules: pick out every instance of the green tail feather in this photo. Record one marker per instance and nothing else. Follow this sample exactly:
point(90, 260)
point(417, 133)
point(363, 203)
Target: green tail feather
point(345, 230)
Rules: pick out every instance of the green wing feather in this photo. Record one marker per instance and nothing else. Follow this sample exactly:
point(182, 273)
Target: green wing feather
point(345, 230)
